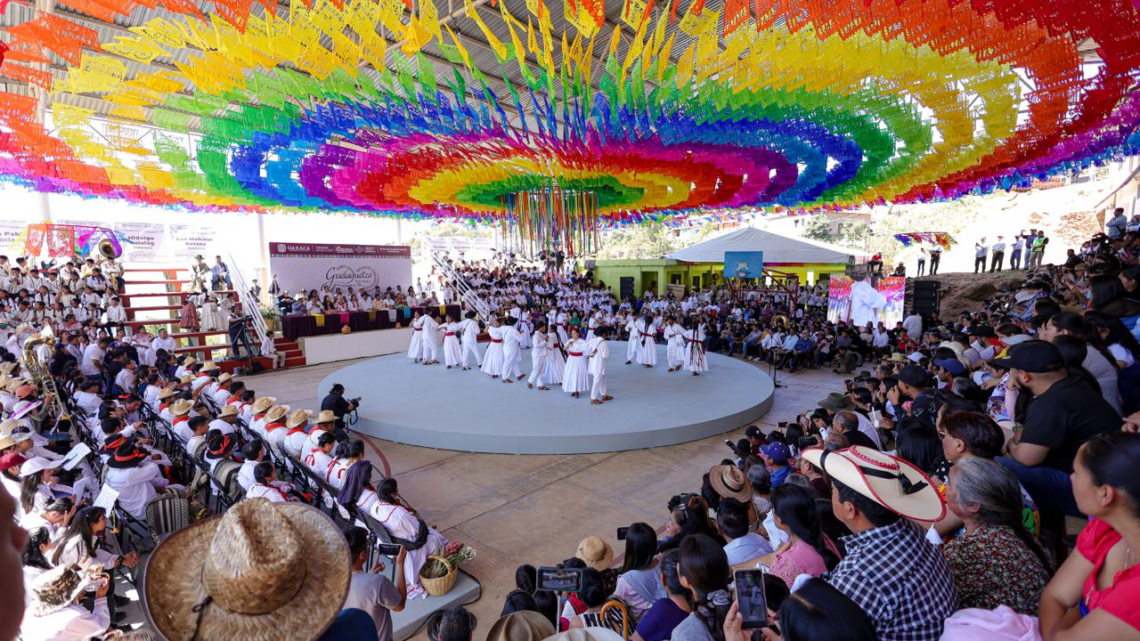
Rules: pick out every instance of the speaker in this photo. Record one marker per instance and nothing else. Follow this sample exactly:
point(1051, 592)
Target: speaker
point(926, 285)
point(926, 306)
point(934, 295)
point(625, 286)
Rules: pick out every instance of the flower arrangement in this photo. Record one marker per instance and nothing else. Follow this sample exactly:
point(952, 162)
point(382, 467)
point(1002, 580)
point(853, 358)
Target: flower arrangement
point(456, 555)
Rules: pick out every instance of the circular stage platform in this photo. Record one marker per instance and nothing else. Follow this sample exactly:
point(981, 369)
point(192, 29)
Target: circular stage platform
point(468, 411)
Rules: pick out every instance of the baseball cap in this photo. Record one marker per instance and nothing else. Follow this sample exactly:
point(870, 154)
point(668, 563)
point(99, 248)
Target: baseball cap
point(1035, 357)
point(776, 451)
point(913, 375)
point(952, 365)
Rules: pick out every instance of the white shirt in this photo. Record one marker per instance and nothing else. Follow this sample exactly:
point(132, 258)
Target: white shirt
point(93, 354)
point(116, 314)
point(267, 347)
point(136, 486)
point(73, 622)
point(222, 426)
point(913, 326)
point(268, 492)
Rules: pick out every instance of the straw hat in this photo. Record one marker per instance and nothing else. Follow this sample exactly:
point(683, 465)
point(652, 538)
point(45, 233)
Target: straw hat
point(276, 413)
point(226, 376)
point(261, 571)
point(326, 416)
point(181, 408)
point(186, 379)
point(209, 366)
point(263, 403)
point(227, 411)
point(524, 625)
point(298, 418)
point(4, 380)
point(596, 553)
point(165, 393)
point(8, 368)
point(892, 482)
point(56, 589)
point(899, 357)
point(7, 441)
point(9, 426)
point(836, 402)
point(729, 481)
point(13, 385)
point(190, 360)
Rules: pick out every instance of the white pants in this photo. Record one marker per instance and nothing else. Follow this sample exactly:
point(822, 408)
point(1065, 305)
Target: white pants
point(511, 365)
point(470, 348)
point(538, 374)
point(598, 389)
point(430, 350)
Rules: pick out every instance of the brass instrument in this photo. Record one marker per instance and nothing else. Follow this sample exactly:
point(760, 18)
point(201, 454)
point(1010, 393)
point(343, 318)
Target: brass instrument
point(42, 377)
point(107, 254)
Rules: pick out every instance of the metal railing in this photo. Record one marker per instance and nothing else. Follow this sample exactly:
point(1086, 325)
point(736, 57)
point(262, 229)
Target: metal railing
point(466, 294)
point(249, 305)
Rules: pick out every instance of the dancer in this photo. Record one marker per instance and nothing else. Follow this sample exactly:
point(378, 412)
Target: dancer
point(511, 352)
point(416, 347)
point(696, 361)
point(576, 378)
point(633, 345)
point(599, 350)
point(525, 328)
point(493, 360)
point(469, 329)
point(429, 350)
point(560, 318)
point(675, 339)
point(451, 349)
point(648, 330)
point(555, 360)
point(539, 357)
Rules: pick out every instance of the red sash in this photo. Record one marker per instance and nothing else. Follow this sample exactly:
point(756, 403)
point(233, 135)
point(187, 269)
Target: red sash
point(496, 340)
point(163, 407)
point(574, 353)
point(179, 420)
point(233, 399)
point(275, 489)
point(450, 334)
point(294, 430)
point(273, 426)
point(417, 329)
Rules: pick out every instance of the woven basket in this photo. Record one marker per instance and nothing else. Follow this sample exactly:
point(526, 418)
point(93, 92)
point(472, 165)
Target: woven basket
point(442, 585)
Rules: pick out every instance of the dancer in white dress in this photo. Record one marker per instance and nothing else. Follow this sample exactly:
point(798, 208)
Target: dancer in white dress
point(695, 359)
point(560, 319)
point(469, 329)
point(511, 352)
point(576, 378)
point(555, 362)
point(417, 341)
point(429, 346)
point(647, 329)
point(525, 330)
point(598, 350)
point(226, 310)
point(451, 350)
point(493, 359)
point(675, 339)
point(211, 317)
point(633, 347)
point(539, 357)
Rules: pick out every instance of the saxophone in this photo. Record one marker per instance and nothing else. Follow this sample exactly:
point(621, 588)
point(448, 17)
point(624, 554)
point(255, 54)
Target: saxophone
point(42, 377)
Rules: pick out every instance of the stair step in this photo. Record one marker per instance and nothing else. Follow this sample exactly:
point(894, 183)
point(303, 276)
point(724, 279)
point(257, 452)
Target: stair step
point(155, 282)
point(153, 321)
point(295, 362)
point(154, 308)
point(201, 348)
point(154, 270)
point(153, 294)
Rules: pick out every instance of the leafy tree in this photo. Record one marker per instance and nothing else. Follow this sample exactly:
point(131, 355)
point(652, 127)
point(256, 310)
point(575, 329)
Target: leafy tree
point(818, 227)
point(647, 241)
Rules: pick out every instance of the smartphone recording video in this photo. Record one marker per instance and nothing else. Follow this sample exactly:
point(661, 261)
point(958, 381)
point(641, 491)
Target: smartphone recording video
point(622, 532)
point(750, 598)
point(559, 579)
point(389, 549)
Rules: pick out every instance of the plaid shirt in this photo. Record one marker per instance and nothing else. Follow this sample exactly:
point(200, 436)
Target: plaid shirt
point(900, 580)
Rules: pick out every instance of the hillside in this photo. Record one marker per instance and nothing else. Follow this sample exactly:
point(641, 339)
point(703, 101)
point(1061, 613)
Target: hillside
point(964, 292)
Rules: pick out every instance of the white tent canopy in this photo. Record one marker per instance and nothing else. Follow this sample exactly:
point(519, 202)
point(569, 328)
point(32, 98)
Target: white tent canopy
point(777, 249)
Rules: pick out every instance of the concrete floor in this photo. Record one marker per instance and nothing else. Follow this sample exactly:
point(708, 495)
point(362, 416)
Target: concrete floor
point(516, 509)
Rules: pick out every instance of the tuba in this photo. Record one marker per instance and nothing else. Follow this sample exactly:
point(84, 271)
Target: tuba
point(42, 377)
point(107, 254)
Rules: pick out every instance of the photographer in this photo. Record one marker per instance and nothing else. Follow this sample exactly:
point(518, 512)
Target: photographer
point(335, 403)
point(239, 337)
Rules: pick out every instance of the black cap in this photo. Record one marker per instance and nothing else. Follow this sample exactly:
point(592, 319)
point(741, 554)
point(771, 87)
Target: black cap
point(985, 331)
point(913, 375)
point(1035, 357)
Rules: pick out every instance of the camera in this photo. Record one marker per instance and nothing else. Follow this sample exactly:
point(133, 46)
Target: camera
point(355, 401)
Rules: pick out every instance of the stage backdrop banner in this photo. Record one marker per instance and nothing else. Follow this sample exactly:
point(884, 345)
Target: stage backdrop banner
point(743, 264)
point(298, 266)
point(859, 302)
point(189, 241)
point(145, 242)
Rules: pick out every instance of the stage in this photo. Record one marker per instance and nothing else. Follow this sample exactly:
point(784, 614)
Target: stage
point(432, 406)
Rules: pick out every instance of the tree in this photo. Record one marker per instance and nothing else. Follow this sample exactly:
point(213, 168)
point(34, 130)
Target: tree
point(647, 241)
point(818, 227)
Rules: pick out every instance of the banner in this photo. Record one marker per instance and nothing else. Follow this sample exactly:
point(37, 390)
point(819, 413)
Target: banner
point(12, 236)
point(188, 241)
point(459, 244)
point(304, 266)
point(743, 264)
point(860, 302)
point(145, 242)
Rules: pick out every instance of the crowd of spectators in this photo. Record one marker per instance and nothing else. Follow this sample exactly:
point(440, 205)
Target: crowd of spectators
point(927, 500)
